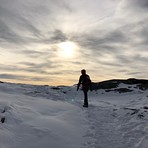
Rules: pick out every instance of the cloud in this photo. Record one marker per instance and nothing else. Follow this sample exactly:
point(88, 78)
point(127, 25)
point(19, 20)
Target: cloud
point(136, 9)
point(40, 68)
point(59, 36)
point(11, 76)
point(53, 37)
point(110, 38)
point(32, 53)
point(110, 35)
point(28, 67)
point(7, 35)
point(142, 4)
point(20, 78)
point(30, 21)
point(9, 68)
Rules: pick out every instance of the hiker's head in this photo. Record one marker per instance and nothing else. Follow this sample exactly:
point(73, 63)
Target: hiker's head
point(83, 71)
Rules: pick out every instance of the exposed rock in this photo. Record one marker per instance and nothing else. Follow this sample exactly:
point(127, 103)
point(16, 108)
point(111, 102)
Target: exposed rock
point(120, 90)
point(110, 84)
point(2, 119)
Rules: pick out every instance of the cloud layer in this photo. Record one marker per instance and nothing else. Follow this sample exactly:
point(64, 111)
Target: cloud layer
point(111, 39)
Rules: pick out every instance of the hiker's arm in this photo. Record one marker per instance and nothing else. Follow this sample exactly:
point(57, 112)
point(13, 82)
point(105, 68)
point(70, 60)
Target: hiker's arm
point(79, 84)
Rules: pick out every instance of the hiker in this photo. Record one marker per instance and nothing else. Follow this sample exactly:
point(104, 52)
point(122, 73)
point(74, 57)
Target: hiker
point(86, 85)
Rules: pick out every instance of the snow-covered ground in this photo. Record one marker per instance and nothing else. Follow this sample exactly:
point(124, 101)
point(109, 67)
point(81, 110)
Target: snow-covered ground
point(53, 117)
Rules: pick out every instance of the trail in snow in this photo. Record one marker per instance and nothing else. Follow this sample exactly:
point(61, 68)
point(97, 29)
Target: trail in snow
point(103, 126)
point(115, 120)
point(113, 126)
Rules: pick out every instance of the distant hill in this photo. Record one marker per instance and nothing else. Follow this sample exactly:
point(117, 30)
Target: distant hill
point(114, 83)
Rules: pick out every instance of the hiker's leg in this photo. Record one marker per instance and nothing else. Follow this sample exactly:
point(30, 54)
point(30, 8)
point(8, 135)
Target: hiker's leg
point(85, 98)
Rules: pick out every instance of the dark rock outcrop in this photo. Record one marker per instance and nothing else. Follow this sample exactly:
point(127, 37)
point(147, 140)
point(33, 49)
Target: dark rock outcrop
point(110, 84)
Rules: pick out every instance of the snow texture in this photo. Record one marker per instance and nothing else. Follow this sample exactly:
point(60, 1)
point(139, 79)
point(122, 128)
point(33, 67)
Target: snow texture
point(53, 117)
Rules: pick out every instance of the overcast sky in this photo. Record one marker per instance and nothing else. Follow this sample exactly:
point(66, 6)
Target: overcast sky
point(108, 38)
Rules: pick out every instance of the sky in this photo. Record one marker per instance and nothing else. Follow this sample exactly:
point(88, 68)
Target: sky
point(49, 41)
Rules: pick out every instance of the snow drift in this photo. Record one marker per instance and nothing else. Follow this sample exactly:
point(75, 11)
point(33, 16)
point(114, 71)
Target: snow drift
point(45, 116)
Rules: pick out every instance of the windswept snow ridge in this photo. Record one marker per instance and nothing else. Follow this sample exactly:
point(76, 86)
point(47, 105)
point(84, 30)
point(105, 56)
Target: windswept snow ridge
point(33, 121)
point(45, 116)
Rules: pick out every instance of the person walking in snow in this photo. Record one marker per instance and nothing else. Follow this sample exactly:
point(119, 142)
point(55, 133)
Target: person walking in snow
point(86, 85)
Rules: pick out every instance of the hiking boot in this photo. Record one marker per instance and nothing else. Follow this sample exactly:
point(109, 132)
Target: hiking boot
point(85, 105)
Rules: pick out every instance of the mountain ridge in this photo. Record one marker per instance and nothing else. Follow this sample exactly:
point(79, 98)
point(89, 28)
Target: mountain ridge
point(114, 83)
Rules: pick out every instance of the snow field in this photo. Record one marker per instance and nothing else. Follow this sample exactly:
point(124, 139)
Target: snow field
point(36, 122)
point(44, 116)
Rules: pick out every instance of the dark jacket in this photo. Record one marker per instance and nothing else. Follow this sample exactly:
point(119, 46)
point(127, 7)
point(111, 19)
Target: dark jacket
point(85, 81)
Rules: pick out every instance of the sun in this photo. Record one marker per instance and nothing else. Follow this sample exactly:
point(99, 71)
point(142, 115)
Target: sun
point(67, 49)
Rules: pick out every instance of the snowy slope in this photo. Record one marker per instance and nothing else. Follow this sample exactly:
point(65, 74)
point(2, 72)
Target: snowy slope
point(46, 116)
point(36, 122)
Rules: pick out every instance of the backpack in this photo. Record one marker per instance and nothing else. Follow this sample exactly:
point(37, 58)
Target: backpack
point(86, 82)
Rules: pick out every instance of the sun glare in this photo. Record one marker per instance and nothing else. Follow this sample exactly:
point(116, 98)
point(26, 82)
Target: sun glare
point(67, 49)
